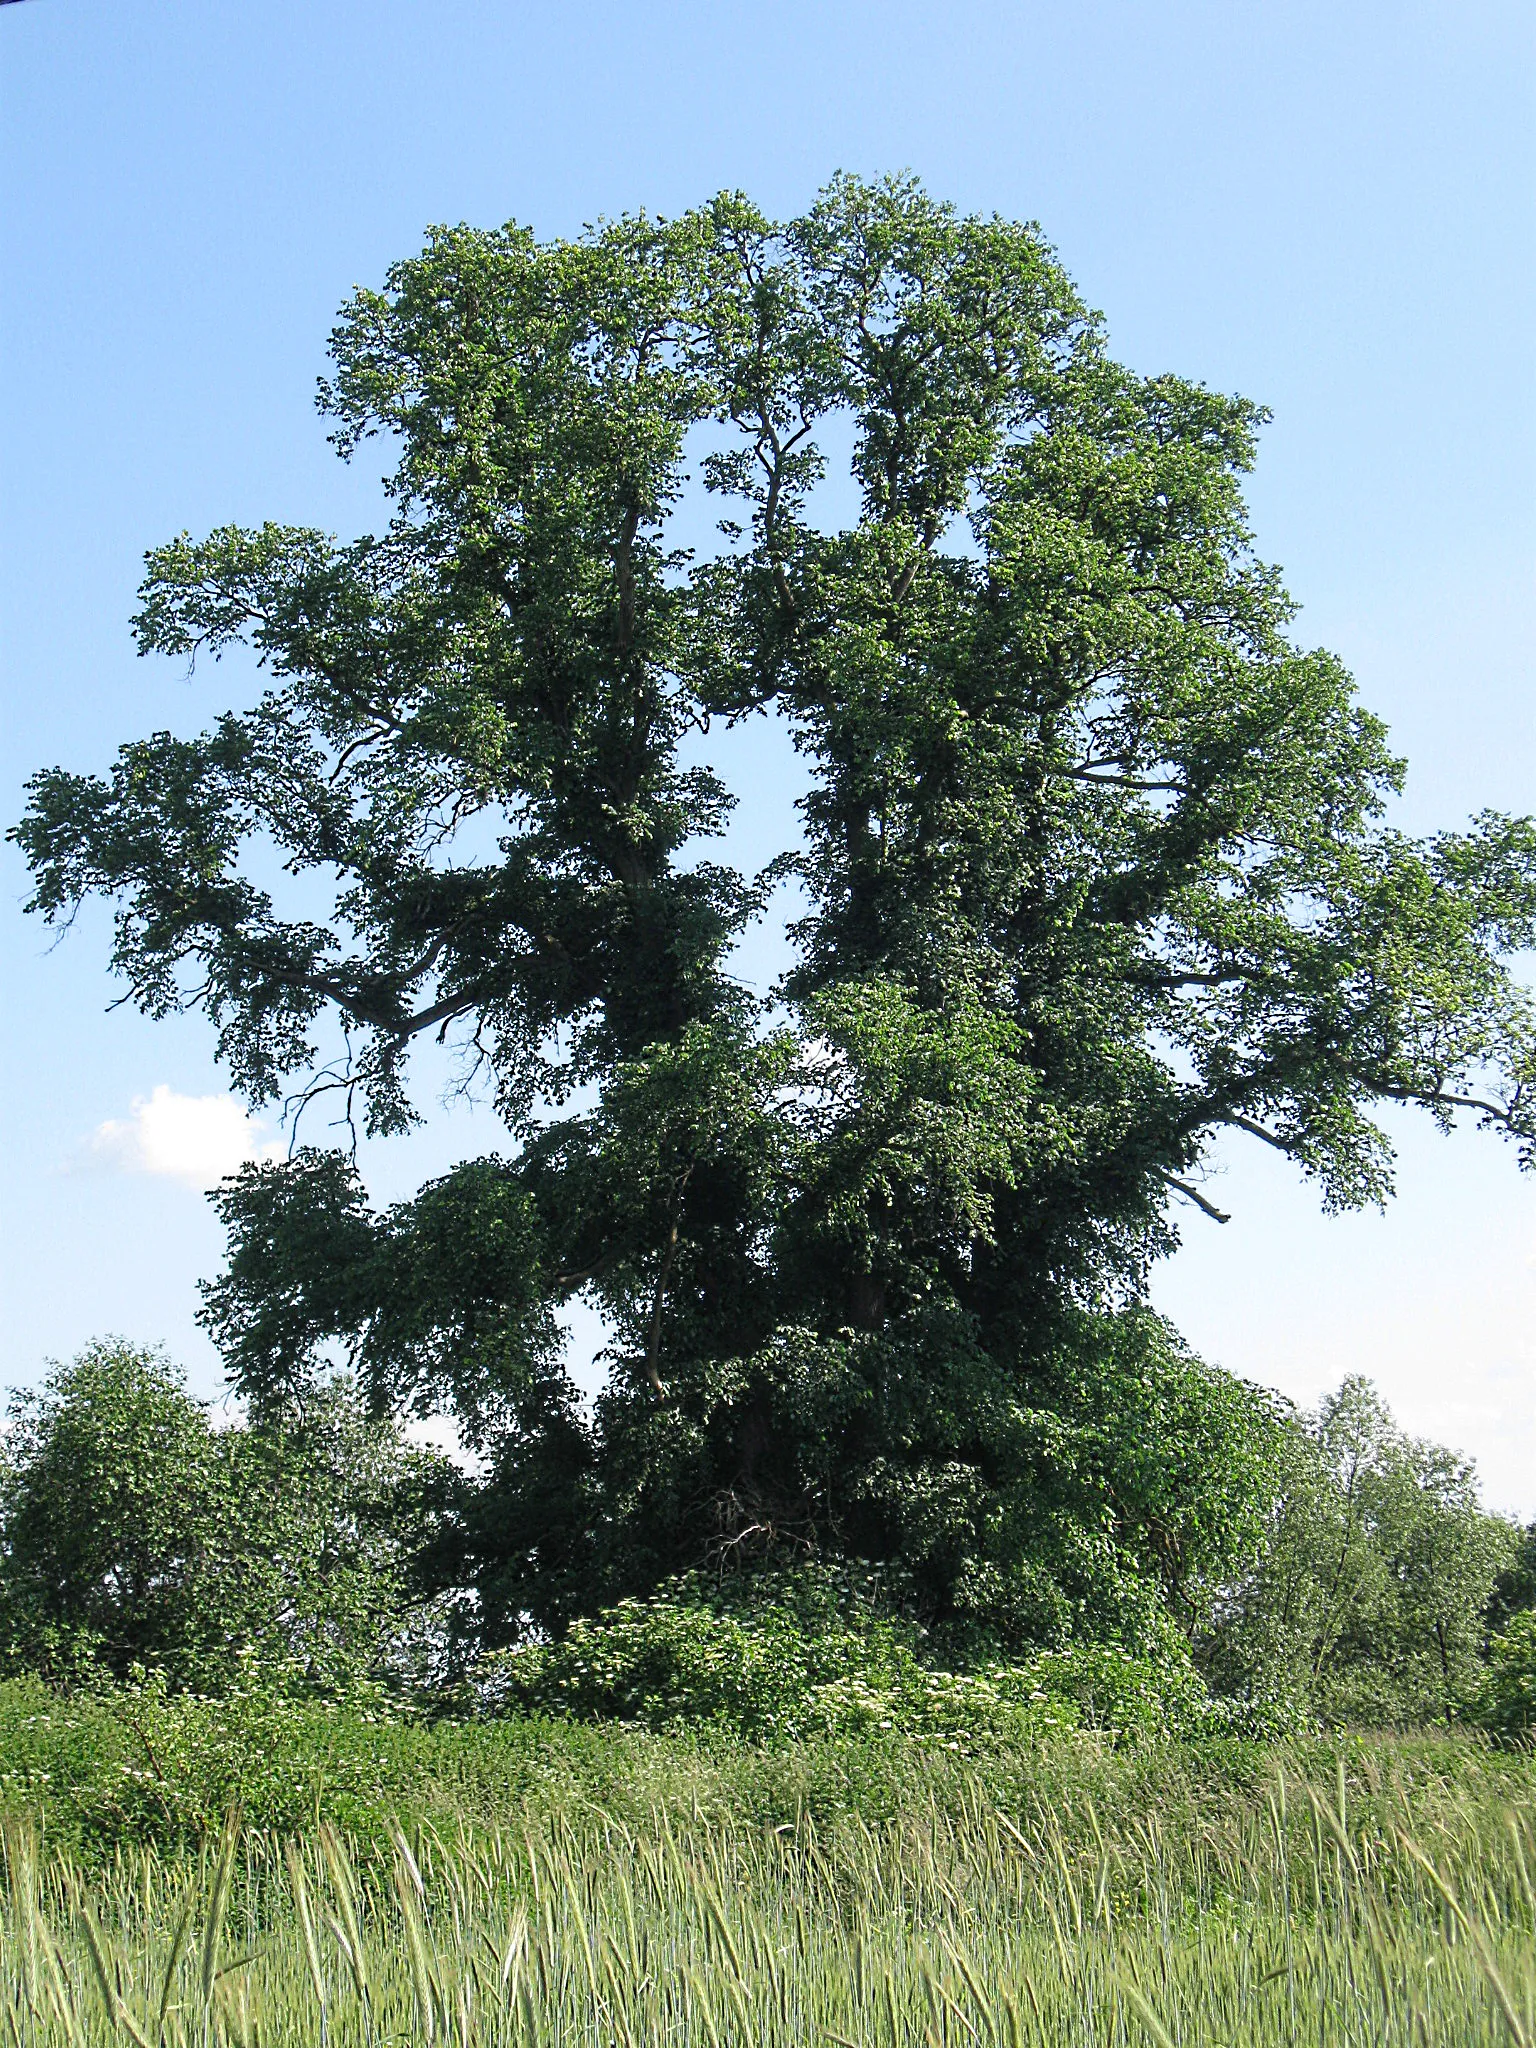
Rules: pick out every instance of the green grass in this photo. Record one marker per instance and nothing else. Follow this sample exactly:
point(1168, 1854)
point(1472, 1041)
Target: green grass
point(553, 1884)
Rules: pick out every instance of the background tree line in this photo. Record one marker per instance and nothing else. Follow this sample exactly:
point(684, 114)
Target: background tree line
point(321, 1551)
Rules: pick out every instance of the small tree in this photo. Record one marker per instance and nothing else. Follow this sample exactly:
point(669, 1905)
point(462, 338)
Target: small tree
point(115, 1520)
point(1371, 1600)
point(132, 1533)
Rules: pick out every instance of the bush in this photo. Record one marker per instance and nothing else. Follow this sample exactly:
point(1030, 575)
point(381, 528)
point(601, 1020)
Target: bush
point(771, 1670)
point(1142, 1699)
point(802, 1658)
point(1505, 1703)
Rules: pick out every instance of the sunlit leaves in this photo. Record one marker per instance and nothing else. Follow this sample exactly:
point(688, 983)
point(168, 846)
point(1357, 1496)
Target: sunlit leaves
point(1097, 865)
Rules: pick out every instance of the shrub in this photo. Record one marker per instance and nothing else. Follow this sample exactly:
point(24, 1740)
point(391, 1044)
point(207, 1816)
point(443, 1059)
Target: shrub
point(764, 1670)
point(1505, 1703)
point(802, 1659)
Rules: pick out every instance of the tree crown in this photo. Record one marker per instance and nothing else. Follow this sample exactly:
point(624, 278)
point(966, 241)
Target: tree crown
point(1096, 861)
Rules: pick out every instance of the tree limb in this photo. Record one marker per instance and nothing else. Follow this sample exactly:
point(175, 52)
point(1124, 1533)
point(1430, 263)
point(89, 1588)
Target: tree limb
point(1194, 1195)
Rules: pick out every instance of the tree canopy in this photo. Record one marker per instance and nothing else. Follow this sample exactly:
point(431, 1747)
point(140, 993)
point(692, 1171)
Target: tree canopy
point(1097, 865)
point(133, 1533)
point(1381, 1580)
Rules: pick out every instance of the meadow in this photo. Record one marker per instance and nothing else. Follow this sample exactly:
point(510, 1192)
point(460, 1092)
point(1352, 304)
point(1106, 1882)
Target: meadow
point(527, 1882)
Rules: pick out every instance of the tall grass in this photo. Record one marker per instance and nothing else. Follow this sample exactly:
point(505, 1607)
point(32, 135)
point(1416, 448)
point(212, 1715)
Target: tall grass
point(1380, 1903)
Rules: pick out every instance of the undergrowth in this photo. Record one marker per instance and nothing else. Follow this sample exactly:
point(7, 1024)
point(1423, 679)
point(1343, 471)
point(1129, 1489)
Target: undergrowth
point(539, 1883)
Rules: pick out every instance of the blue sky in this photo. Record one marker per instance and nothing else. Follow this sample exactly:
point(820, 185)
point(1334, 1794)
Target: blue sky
point(1329, 208)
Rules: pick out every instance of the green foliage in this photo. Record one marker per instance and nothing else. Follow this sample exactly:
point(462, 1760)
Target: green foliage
point(509, 1884)
point(1142, 1699)
point(1095, 870)
point(143, 1762)
point(792, 1655)
point(1112, 1506)
point(1370, 1602)
point(1505, 1700)
point(135, 1535)
point(1514, 1590)
point(676, 1664)
point(114, 1503)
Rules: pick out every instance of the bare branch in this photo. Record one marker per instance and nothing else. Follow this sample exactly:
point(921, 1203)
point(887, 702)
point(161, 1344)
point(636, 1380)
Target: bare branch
point(1194, 1195)
point(1243, 1123)
point(1500, 1112)
point(1123, 781)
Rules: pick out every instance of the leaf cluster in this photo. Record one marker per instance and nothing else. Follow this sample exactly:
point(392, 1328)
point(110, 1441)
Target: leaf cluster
point(1379, 1576)
point(134, 1536)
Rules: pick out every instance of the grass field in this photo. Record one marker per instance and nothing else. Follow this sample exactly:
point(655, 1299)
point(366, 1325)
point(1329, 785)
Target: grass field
point(547, 1885)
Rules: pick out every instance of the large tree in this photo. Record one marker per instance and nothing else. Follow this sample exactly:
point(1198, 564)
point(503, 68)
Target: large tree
point(1097, 866)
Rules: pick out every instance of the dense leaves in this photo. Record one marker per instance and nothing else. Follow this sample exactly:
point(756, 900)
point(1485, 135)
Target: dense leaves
point(1378, 1580)
point(818, 1652)
point(1096, 866)
point(133, 1534)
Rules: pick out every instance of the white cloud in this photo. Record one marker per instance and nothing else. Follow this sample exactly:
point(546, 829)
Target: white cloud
point(195, 1139)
